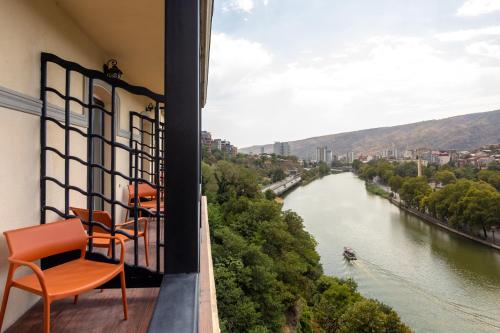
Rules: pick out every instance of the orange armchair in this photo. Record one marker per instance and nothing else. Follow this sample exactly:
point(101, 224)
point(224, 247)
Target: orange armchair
point(144, 191)
point(105, 218)
point(69, 279)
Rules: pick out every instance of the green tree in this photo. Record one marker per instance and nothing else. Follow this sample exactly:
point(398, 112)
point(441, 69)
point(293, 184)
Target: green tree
point(466, 172)
point(494, 180)
point(270, 195)
point(395, 182)
point(335, 297)
point(371, 317)
point(494, 166)
point(369, 172)
point(277, 175)
point(445, 177)
point(356, 165)
point(323, 169)
point(480, 207)
point(414, 189)
point(406, 169)
point(443, 204)
point(490, 176)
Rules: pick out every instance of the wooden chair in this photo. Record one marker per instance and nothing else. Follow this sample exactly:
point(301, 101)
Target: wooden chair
point(69, 279)
point(105, 218)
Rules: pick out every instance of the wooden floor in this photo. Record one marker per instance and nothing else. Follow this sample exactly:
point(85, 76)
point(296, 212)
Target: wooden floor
point(95, 311)
point(98, 311)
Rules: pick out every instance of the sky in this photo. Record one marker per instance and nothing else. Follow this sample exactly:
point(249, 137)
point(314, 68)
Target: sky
point(282, 70)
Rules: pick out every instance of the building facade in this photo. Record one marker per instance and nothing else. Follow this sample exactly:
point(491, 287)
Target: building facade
point(58, 105)
point(281, 149)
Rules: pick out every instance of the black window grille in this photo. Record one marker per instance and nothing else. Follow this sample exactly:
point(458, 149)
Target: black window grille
point(138, 150)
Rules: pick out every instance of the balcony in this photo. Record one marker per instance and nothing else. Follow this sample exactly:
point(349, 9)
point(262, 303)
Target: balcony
point(89, 139)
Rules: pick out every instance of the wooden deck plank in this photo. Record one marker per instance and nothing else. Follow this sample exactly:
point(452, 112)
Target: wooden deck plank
point(96, 311)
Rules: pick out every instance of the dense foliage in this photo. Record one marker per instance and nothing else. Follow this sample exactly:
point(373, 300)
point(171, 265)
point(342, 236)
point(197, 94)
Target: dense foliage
point(267, 271)
point(466, 198)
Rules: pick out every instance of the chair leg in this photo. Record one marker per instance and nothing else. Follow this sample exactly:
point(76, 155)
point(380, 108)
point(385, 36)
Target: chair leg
point(75, 300)
point(46, 315)
point(146, 247)
point(6, 293)
point(124, 294)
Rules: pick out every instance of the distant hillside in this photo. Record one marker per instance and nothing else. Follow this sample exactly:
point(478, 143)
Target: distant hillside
point(460, 132)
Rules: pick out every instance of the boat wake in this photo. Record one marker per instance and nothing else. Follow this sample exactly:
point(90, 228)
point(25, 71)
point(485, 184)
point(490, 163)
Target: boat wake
point(378, 274)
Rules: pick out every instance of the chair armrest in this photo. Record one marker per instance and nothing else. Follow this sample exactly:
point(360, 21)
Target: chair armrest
point(139, 219)
point(37, 270)
point(122, 243)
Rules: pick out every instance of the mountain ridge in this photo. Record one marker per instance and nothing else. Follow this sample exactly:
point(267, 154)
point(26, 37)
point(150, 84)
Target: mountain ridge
point(463, 132)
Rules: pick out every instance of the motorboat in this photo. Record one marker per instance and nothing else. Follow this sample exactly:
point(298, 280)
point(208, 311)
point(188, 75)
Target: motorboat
point(349, 254)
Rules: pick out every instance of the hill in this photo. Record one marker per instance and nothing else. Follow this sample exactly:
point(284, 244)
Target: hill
point(460, 132)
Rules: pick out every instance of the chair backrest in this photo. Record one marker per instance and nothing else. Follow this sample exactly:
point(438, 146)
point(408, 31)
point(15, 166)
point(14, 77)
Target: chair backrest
point(144, 191)
point(44, 240)
point(98, 215)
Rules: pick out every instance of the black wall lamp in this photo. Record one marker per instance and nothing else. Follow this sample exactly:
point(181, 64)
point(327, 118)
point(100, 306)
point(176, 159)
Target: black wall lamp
point(111, 70)
point(150, 107)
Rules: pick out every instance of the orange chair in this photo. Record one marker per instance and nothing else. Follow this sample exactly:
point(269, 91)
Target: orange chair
point(69, 279)
point(144, 191)
point(105, 218)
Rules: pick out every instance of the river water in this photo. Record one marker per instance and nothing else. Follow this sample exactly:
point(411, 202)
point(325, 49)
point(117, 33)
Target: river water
point(435, 280)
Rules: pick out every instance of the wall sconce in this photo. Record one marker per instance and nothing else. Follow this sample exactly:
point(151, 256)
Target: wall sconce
point(111, 70)
point(150, 107)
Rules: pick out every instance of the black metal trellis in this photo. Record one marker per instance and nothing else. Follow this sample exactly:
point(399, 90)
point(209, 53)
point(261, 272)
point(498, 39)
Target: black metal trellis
point(142, 277)
point(154, 157)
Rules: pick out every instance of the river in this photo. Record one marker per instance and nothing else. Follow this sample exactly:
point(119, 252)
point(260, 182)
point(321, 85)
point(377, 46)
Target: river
point(435, 280)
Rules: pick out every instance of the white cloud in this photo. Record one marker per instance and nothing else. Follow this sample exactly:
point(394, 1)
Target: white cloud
point(468, 34)
point(478, 7)
point(254, 97)
point(246, 6)
point(486, 49)
point(238, 5)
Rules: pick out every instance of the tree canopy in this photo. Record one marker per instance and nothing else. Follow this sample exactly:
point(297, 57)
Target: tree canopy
point(267, 271)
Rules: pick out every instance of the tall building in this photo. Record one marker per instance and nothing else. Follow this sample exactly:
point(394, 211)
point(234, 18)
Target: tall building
point(329, 156)
point(281, 148)
point(350, 157)
point(217, 144)
point(321, 154)
point(206, 140)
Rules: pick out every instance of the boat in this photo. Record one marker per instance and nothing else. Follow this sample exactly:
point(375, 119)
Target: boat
point(349, 254)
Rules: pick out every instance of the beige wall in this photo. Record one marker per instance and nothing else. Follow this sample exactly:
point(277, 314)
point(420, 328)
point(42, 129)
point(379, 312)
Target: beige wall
point(27, 28)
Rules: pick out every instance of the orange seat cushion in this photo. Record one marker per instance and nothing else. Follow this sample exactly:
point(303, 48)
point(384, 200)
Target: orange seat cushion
point(71, 278)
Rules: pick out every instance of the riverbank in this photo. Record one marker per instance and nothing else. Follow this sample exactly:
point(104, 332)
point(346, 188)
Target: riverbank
point(376, 189)
point(429, 219)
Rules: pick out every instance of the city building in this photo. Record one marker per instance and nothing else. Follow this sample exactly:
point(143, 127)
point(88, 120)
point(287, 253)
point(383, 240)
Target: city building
point(217, 144)
point(206, 140)
point(281, 148)
point(350, 157)
point(321, 153)
point(234, 151)
point(329, 156)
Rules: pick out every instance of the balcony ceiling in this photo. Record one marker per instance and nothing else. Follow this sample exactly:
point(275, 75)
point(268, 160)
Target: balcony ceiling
point(130, 31)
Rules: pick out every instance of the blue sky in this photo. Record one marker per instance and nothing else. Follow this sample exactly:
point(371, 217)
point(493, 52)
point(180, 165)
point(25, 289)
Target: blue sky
point(283, 70)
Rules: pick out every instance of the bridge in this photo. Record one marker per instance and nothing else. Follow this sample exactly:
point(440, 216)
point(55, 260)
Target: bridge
point(284, 185)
